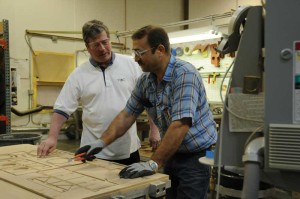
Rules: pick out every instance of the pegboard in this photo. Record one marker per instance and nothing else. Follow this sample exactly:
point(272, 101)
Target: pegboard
point(213, 89)
point(201, 59)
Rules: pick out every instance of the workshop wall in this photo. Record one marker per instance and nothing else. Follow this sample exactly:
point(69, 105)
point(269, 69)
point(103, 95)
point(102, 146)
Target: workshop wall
point(202, 8)
point(70, 15)
point(212, 73)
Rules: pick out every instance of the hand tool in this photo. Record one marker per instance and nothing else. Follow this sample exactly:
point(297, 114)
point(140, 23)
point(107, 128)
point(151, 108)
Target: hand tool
point(77, 157)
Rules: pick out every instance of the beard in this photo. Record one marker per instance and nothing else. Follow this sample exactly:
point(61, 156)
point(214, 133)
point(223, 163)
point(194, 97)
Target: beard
point(143, 66)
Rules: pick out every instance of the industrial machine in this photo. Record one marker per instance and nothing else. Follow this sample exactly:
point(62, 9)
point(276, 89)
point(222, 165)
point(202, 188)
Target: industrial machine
point(260, 130)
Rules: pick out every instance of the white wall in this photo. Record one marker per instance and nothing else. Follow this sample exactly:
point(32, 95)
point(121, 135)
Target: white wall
point(70, 15)
point(202, 8)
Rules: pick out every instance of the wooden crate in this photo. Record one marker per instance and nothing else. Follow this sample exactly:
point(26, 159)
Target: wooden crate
point(23, 175)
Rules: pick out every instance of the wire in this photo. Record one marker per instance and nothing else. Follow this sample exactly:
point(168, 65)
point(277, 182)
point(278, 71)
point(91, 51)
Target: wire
point(227, 91)
point(223, 79)
point(258, 129)
point(29, 44)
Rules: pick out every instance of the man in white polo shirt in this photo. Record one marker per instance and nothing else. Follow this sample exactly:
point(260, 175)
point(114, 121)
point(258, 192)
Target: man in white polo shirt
point(102, 85)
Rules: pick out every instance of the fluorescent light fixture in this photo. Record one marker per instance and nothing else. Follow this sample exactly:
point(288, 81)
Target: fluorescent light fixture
point(197, 34)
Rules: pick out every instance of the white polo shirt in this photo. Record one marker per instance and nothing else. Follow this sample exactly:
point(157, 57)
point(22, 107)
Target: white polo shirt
point(102, 95)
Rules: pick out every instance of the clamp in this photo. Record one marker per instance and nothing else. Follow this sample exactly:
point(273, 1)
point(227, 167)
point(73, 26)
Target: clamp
point(4, 119)
point(158, 189)
point(214, 75)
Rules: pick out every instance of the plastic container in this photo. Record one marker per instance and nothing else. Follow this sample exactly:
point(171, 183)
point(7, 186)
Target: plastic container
point(19, 138)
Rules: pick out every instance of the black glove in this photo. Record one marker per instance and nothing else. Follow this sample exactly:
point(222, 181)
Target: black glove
point(89, 151)
point(138, 170)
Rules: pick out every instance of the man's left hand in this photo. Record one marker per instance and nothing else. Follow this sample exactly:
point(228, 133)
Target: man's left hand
point(137, 170)
point(89, 151)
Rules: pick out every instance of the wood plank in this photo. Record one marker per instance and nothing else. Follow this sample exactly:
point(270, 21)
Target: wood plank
point(16, 192)
point(55, 177)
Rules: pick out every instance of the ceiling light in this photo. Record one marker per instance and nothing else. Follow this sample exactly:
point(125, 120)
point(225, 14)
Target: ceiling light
point(197, 34)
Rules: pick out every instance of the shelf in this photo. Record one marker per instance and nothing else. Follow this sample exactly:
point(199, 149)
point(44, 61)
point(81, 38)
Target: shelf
point(48, 83)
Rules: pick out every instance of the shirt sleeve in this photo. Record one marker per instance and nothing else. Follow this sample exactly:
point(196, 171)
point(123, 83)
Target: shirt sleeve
point(134, 105)
point(67, 101)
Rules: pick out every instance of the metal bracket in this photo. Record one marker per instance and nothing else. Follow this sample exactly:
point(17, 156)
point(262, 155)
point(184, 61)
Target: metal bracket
point(158, 189)
point(7, 101)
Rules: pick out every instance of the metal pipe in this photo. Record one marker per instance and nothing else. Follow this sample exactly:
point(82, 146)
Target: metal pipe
point(52, 31)
point(252, 159)
point(251, 180)
point(30, 129)
point(180, 23)
point(52, 36)
point(56, 37)
point(59, 32)
point(33, 129)
point(253, 150)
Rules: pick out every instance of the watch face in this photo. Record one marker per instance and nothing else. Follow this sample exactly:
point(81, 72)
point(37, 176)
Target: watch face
point(153, 165)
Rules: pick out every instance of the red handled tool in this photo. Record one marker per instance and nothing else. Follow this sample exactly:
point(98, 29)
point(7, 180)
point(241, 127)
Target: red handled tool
point(77, 157)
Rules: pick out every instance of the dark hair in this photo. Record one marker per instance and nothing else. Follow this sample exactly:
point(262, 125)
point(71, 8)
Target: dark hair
point(92, 28)
point(156, 36)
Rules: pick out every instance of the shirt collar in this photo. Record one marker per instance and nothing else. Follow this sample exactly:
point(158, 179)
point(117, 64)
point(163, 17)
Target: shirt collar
point(98, 64)
point(170, 67)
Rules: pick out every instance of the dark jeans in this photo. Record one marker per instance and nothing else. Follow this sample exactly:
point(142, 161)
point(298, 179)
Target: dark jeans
point(134, 158)
point(189, 178)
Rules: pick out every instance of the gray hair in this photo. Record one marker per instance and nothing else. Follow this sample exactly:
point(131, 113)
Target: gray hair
point(92, 29)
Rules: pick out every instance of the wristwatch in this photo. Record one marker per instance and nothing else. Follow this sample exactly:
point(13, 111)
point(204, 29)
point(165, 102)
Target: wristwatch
point(153, 165)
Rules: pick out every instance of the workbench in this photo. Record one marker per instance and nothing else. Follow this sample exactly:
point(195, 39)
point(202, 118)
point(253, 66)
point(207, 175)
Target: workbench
point(24, 175)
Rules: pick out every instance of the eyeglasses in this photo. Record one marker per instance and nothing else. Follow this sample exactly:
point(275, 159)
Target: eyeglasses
point(140, 53)
point(95, 45)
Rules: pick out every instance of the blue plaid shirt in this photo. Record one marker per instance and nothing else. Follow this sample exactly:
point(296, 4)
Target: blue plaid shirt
point(181, 94)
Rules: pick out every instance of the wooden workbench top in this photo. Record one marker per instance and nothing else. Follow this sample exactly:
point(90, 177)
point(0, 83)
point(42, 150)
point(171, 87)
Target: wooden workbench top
point(26, 176)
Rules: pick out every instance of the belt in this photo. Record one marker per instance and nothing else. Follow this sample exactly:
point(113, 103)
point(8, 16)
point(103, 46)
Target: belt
point(201, 153)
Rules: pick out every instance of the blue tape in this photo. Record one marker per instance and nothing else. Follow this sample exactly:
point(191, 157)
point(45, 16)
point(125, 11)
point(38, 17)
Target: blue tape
point(209, 154)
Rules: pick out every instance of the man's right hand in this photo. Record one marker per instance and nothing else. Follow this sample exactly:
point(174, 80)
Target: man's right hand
point(90, 150)
point(46, 147)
